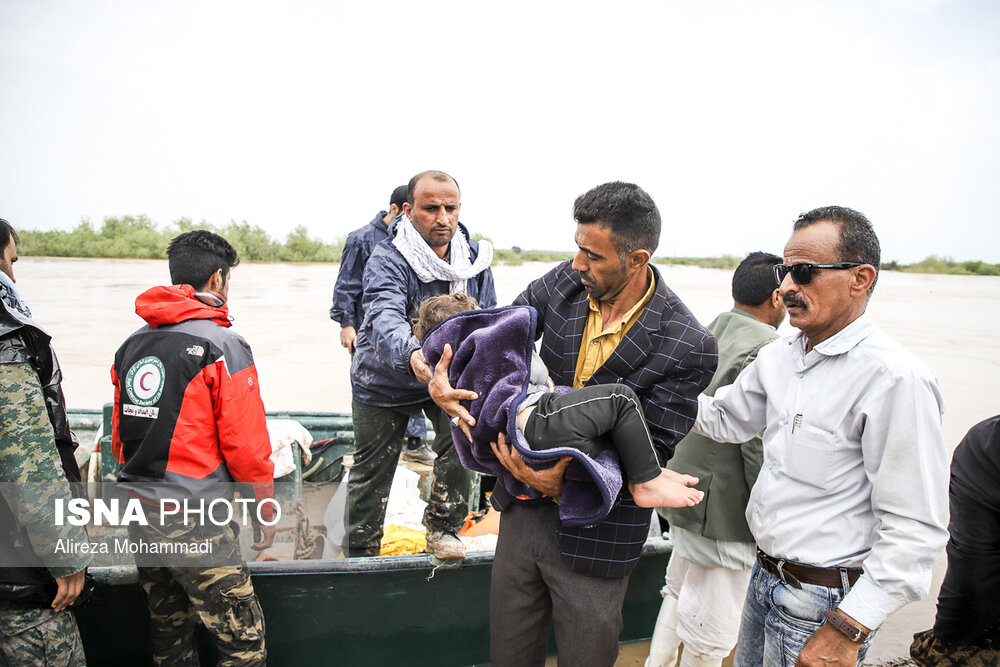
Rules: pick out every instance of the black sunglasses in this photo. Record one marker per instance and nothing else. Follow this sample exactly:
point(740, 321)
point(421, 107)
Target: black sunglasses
point(802, 273)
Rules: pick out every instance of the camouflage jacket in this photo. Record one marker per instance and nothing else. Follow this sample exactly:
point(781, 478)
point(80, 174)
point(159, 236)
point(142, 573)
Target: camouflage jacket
point(35, 461)
point(23, 341)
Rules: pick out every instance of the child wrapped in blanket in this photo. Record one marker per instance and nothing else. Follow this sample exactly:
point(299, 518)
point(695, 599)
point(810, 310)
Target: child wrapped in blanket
point(582, 419)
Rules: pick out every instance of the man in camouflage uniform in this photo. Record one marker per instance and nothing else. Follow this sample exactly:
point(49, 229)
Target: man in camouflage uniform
point(188, 422)
point(37, 582)
point(181, 590)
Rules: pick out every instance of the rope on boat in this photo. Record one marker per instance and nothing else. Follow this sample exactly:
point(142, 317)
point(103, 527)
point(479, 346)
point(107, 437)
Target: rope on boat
point(438, 563)
point(307, 538)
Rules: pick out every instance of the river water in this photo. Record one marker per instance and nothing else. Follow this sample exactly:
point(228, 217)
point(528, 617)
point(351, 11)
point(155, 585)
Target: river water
point(949, 322)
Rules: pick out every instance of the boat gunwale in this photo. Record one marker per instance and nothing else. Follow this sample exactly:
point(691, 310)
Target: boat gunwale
point(117, 575)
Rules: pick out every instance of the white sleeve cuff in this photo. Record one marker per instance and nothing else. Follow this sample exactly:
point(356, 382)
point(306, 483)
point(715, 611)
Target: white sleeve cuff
point(868, 604)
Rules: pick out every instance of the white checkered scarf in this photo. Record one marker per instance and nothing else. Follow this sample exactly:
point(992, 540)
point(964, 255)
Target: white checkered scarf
point(429, 267)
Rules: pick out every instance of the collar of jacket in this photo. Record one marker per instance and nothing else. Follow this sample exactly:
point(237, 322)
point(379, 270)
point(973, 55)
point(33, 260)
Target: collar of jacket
point(177, 303)
point(616, 366)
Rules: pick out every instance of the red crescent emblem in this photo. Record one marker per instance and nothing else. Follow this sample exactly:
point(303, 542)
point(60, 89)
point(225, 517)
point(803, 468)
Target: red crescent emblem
point(142, 380)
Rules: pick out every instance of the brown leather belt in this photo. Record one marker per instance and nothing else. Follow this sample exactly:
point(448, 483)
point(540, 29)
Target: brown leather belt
point(795, 574)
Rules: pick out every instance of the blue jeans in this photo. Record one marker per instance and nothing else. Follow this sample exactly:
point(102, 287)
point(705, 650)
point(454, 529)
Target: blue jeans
point(778, 619)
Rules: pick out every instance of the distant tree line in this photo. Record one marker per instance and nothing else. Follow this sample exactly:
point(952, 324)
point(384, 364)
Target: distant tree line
point(935, 264)
point(138, 237)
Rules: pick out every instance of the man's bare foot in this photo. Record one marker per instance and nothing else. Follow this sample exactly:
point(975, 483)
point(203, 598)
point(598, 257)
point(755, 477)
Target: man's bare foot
point(670, 489)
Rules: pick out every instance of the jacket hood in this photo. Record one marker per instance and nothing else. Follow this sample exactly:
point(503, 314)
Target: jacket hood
point(177, 303)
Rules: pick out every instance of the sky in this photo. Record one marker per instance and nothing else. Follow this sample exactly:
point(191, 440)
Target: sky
point(734, 116)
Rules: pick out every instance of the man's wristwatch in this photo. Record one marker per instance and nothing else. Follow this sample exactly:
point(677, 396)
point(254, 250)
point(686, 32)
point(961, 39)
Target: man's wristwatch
point(846, 627)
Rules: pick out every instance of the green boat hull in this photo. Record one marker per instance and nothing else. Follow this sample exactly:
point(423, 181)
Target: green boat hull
point(384, 611)
point(366, 611)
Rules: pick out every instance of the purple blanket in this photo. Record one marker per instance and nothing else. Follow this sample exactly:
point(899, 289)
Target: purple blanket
point(492, 355)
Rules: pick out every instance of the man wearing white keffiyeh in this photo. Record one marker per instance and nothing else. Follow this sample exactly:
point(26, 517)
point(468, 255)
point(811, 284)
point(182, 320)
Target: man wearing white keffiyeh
point(429, 266)
point(429, 253)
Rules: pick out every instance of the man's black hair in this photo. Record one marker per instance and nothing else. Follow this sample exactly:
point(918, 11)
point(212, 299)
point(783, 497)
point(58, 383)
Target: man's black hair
point(7, 232)
point(398, 196)
point(627, 211)
point(753, 280)
point(436, 175)
point(858, 242)
point(194, 256)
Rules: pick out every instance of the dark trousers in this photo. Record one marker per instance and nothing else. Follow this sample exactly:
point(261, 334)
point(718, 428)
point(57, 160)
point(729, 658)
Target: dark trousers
point(967, 605)
point(588, 419)
point(533, 589)
point(378, 440)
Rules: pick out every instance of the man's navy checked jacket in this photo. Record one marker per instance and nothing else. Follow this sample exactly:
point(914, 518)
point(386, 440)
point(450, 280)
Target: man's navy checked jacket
point(667, 358)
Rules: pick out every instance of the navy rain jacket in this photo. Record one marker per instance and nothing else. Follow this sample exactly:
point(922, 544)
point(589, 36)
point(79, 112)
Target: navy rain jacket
point(380, 369)
point(346, 309)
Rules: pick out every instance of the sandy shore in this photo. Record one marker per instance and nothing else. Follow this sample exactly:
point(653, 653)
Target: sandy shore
point(949, 322)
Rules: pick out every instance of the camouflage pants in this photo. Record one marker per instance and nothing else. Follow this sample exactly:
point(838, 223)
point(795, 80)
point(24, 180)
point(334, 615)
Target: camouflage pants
point(378, 434)
point(219, 596)
point(39, 638)
point(927, 650)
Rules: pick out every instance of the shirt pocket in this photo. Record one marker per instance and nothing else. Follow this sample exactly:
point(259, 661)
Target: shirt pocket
point(810, 456)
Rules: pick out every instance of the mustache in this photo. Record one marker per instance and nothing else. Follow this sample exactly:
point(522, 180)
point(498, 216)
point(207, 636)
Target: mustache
point(792, 300)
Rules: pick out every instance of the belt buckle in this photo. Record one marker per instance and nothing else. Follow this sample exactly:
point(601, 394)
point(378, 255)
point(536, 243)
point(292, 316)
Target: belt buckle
point(788, 577)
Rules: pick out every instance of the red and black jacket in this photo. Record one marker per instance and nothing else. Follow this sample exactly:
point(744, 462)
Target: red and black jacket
point(188, 409)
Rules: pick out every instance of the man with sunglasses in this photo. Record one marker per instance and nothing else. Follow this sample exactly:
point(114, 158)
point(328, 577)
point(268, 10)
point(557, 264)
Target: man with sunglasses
point(714, 551)
point(850, 509)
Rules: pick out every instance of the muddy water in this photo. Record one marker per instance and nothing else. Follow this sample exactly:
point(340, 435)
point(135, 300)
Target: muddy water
point(950, 322)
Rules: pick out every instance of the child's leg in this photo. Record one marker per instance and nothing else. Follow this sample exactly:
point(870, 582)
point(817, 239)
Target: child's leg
point(588, 419)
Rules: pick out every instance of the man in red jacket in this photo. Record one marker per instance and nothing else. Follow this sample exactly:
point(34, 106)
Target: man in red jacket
point(188, 423)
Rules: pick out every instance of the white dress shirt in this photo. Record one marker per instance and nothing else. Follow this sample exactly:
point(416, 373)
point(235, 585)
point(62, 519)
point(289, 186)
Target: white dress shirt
point(855, 468)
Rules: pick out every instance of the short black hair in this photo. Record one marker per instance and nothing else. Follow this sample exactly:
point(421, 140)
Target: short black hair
point(194, 256)
point(7, 232)
point(627, 210)
point(434, 174)
point(398, 196)
point(753, 280)
point(858, 242)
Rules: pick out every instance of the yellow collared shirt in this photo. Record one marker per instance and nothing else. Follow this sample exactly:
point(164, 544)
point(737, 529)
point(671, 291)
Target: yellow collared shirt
point(598, 344)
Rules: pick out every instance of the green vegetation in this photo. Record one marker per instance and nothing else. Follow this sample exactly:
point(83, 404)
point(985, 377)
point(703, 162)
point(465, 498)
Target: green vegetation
point(516, 256)
point(934, 264)
point(728, 262)
point(138, 237)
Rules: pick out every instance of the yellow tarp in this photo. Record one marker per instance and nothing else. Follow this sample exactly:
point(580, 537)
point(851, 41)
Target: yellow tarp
point(402, 541)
